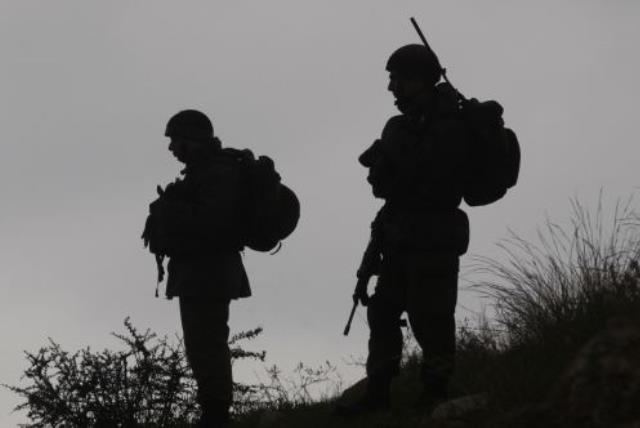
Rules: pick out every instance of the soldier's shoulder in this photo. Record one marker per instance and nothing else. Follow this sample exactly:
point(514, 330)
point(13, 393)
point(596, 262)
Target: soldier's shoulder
point(231, 152)
point(226, 163)
point(450, 123)
point(457, 127)
point(396, 120)
point(453, 135)
point(394, 123)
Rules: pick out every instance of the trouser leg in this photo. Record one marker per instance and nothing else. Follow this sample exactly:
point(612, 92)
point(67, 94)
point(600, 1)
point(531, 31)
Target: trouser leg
point(385, 339)
point(432, 297)
point(206, 336)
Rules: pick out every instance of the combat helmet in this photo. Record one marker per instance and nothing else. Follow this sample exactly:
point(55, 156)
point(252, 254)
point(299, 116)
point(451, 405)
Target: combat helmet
point(191, 124)
point(415, 61)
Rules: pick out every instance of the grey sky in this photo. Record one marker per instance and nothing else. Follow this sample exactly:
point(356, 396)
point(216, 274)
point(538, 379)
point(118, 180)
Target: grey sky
point(86, 88)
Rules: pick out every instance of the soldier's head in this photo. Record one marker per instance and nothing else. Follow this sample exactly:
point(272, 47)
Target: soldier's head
point(191, 134)
point(414, 71)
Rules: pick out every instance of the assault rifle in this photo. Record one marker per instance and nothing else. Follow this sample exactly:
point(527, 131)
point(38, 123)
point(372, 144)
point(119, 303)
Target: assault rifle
point(370, 266)
point(362, 283)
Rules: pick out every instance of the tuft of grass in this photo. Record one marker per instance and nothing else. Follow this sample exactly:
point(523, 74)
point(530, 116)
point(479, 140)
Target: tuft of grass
point(552, 297)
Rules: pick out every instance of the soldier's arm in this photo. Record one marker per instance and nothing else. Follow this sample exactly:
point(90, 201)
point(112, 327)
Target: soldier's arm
point(208, 220)
point(372, 257)
point(380, 147)
point(215, 211)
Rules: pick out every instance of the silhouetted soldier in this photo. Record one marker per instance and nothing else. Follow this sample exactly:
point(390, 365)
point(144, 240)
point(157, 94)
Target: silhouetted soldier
point(194, 222)
point(417, 167)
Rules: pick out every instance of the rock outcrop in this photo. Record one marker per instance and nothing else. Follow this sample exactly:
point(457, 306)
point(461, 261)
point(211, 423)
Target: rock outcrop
point(599, 389)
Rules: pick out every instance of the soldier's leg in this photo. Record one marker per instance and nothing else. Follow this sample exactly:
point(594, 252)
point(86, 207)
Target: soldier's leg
point(432, 296)
point(206, 335)
point(385, 338)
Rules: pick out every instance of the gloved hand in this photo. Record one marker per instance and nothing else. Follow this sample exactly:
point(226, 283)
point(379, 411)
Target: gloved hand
point(360, 293)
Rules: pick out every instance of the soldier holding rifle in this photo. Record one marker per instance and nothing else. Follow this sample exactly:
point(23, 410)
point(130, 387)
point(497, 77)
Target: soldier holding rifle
point(417, 167)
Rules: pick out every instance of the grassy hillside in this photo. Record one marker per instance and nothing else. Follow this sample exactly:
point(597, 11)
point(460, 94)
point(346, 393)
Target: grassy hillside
point(550, 300)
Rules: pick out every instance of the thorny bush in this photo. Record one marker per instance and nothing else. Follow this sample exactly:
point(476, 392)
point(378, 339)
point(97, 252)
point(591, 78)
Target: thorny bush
point(146, 384)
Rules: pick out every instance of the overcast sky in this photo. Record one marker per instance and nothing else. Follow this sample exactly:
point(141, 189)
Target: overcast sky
point(86, 88)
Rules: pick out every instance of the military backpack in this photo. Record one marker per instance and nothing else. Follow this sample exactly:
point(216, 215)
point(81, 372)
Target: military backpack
point(494, 153)
point(269, 210)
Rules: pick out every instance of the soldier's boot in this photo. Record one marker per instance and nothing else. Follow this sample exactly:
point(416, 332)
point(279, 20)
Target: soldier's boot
point(214, 415)
point(377, 398)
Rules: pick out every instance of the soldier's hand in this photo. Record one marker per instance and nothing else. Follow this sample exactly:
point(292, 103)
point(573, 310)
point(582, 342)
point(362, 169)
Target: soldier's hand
point(360, 293)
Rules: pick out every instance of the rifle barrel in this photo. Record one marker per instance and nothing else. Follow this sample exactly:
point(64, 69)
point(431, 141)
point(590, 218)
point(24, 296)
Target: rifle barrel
point(347, 328)
point(419, 31)
point(444, 70)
